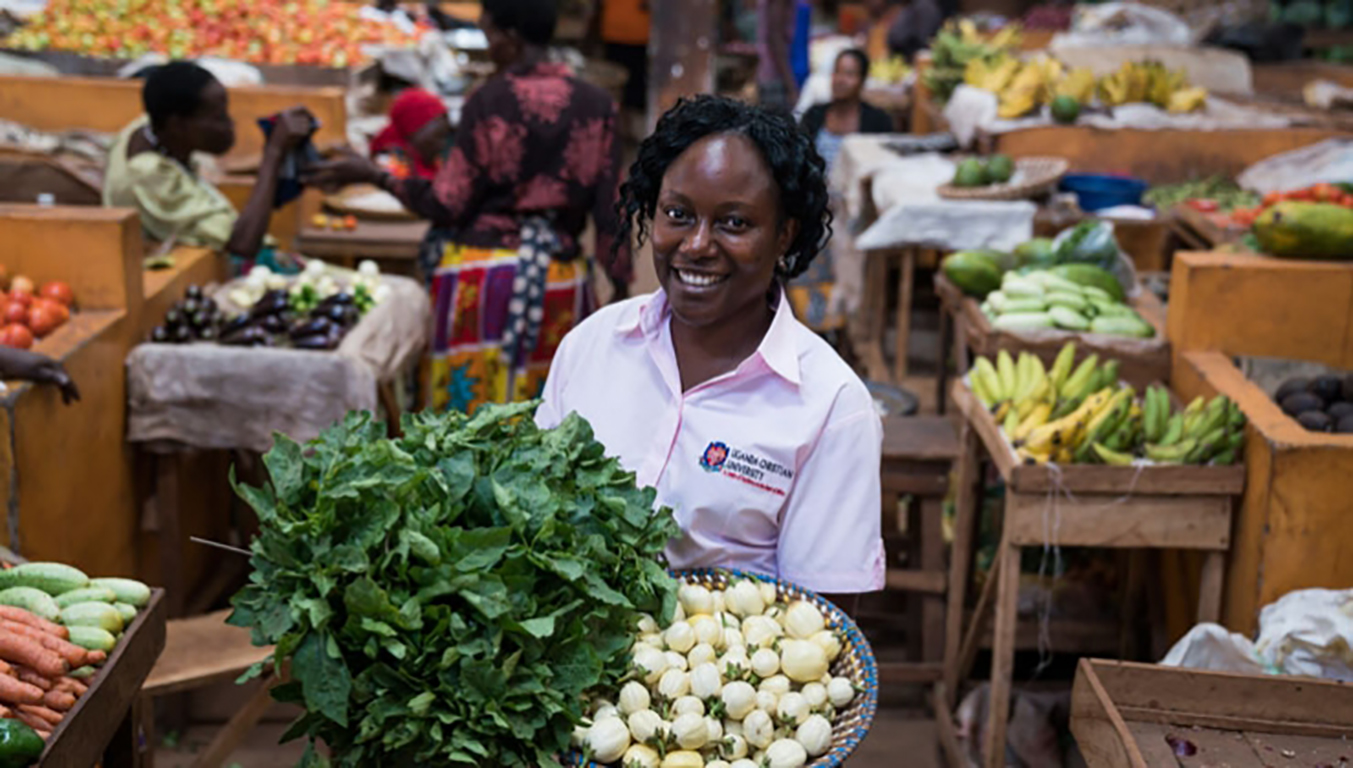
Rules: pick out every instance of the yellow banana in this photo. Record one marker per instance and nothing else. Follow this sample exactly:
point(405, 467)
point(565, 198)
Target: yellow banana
point(1012, 419)
point(1036, 418)
point(1061, 367)
point(991, 381)
point(1005, 366)
point(1113, 458)
point(1187, 100)
point(1064, 430)
point(1079, 84)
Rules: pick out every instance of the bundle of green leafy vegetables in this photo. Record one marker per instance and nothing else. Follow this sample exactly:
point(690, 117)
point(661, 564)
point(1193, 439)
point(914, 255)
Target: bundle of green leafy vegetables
point(447, 597)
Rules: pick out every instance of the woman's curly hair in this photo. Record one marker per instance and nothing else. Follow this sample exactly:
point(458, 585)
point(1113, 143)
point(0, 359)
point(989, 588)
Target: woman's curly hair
point(800, 173)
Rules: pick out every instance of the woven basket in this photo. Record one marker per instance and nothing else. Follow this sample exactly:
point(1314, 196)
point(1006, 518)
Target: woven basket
point(855, 663)
point(1033, 176)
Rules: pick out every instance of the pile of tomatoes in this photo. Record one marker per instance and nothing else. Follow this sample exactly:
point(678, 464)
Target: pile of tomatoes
point(1338, 194)
point(27, 314)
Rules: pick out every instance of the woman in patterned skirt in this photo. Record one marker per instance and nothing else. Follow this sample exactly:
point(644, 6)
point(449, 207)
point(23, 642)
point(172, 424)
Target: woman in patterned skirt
point(536, 153)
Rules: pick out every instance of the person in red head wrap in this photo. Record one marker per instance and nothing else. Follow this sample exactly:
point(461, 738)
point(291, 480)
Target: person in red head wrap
point(418, 134)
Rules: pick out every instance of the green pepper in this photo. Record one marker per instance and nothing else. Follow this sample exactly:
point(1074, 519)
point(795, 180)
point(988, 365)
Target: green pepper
point(20, 746)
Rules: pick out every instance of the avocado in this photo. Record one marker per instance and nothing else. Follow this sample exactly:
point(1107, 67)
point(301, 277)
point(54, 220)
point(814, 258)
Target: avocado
point(1327, 387)
point(1301, 402)
point(1000, 168)
point(971, 173)
point(1065, 109)
point(1291, 387)
point(1339, 410)
point(1316, 421)
point(1345, 425)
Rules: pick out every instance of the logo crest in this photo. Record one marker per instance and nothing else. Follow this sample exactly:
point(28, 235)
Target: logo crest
point(714, 457)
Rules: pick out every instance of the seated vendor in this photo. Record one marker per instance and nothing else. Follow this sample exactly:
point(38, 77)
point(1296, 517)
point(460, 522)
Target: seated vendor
point(764, 442)
point(151, 166)
point(418, 137)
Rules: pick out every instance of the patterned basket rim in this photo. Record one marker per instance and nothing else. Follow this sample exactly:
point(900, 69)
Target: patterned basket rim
point(1044, 173)
point(862, 709)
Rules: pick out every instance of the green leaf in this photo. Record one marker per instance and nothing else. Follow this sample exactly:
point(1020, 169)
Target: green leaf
point(420, 704)
point(325, 680)
point(540, 628)
point(286, 467)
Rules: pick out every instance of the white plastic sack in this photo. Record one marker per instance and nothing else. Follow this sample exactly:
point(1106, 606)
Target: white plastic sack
point(1329, 161)
point(1211, 647)
point(1125, 24)
point(970, 110)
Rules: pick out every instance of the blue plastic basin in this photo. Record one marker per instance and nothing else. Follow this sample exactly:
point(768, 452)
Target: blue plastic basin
point(1098, 191)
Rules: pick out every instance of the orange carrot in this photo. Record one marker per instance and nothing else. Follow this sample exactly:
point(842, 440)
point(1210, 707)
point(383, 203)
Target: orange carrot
point(24, 617)
point(34, 722)
point(6, 669)
point(73, 654)
point(60, 701)
point(15, 692)
point(24, 650)
point(33, 678)
point(43, 712)
point(71, 684)
point(95, 658)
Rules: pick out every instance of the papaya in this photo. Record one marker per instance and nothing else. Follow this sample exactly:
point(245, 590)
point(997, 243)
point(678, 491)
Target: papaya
point(1306, 231)
point(1038, 252)
point(1089, 274)
point(974, 272)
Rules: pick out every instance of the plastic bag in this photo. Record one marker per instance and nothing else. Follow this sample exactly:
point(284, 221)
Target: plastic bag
point(1092, 242)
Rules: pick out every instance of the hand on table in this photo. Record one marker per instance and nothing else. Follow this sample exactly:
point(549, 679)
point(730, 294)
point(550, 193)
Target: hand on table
point(346, 168)
point(40, 369)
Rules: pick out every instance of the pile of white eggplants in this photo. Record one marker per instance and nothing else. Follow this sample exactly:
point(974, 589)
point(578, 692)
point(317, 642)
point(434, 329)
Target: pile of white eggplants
point(739, 680)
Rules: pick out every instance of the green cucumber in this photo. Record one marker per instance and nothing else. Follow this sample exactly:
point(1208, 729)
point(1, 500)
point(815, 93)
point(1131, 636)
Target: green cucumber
point(1016, 306)
point(1021, 321)
point(86, 595)
point(127, 610)
point(92, 638)
point(1069, 300)
point(1122, 326)
point(35, 601)
point(100, 615)
point(52, 578)
point(1068, 319)
point(128, 591)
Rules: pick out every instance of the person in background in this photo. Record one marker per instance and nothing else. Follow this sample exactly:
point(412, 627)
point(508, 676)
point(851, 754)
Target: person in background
point(882, 14)
point(22, 365)
point(914, 27)
point(848, 112)
point(535, 153)
point(151, 166)
point(623, 28)
point(776, 87)
point(418, 137)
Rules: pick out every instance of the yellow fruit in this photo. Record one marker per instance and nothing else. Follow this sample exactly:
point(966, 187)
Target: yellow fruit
point(1187, 100)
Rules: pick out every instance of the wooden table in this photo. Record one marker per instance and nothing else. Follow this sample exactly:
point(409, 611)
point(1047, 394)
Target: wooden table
point(1201, 231)
point(1155, 507)
point(1148, 716)
point(389, 241)
point(103, 726)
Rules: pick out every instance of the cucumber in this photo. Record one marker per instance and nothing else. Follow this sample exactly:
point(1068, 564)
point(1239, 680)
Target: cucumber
point(100, 615)
point(1021, 321)
point(1122, 326)
point(52, 578)
point(92, 638)
point(19, 744)
point(128, 591)
point(127, 610)
point(1068, 318)
point(1015, 306)
point(998, 301)
point(1016, 288)
point(83, 672)
point(35, 601)
point(1052, 283)
point(1097, 293)
point(1069, 300)
point(86, 595)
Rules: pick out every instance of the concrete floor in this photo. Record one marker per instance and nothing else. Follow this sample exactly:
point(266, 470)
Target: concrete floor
point(896, 733)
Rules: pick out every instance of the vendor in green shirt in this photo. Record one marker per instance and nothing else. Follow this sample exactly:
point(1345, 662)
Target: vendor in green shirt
point(151, 167)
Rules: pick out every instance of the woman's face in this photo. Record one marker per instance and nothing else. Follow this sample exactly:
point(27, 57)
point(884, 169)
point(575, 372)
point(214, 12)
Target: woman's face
point(210, 129)
point(430, 141)
point(847, 79)
point(718, 230)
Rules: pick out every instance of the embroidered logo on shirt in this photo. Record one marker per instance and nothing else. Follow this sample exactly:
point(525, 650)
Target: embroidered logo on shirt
point(745, 466)
point(714, 457)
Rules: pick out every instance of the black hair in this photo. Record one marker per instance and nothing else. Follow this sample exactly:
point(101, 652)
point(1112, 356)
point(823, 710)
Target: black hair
point(799, 171)
point(174, 89)
point(534, 20)
point(860, 57)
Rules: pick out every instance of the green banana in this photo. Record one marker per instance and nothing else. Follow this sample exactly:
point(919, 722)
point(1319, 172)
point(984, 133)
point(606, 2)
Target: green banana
point(1226, 458)
point(1112, 457)
point(1061, 367)
point(1155, 414)
point(1174, 430)
point(1012, 419)
point(1125, 436)
point(1171, 454)
point(1005, 368)
point(1234, 416)
point(1078, 384)
point(1109, 374)
point(1236, 441)
point(991, 381)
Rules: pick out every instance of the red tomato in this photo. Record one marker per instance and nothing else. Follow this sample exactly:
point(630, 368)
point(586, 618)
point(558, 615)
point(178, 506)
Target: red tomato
point(24, 299)
point(58, 291)
point(1325, 192)
point(17, 336)
point(43, 319)
point(1273, 198)
point(61, 310)
point(14, 312)
point(21, 284)
point(1203, 205)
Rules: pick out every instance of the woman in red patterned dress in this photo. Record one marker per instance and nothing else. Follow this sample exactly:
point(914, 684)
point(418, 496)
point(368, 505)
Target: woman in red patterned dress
point(536, 153)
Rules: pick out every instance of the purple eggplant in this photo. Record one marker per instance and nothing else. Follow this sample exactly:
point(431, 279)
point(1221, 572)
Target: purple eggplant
point(311, 327)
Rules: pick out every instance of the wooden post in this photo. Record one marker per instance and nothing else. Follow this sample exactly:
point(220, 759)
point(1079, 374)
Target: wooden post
point(967, 514)
point(1002, 653)
point(680, 53)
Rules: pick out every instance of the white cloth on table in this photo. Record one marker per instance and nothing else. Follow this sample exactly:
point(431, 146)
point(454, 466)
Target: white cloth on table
point(1329, 161)
point(860, 157)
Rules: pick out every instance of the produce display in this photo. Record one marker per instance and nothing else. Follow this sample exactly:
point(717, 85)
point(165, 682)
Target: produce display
point(1206, 195)
point(890, 71)
point(740, 678)
point(339, 223)
point(958, 44)
point(56, 626)
point(1083, 414)
point(451, 596)
point(310, 311)
point(28, 313)
point(981, 172)
point(1067, 297)
point(1320, 404)
point(315, 32)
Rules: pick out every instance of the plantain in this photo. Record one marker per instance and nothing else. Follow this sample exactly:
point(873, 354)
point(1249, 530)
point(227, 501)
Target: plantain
point(1174, 430)
point(1112, 457)
point(1005, 366)
point(1061, 367)
point(1078, 383)
point(991, 381)
point(1171, 454)
point(1036, 418)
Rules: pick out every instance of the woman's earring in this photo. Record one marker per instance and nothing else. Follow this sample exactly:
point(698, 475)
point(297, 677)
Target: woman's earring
point(783, 264)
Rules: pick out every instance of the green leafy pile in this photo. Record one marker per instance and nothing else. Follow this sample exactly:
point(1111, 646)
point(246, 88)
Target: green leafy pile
point(446, 598)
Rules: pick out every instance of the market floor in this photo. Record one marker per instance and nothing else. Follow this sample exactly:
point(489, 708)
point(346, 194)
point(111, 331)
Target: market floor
point(896, 732)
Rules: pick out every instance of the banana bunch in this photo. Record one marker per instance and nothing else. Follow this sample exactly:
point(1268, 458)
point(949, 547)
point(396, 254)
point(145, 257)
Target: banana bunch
point(956, 45)
point(1205, 431)
point(1079, 84)
point(890, 71)
point(993, 73)
point(1153, 83)
point(1187, 100)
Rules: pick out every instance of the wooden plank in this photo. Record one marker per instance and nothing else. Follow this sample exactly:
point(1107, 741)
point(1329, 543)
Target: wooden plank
point(371, 239)
point(928, 582)
point(80, 739)
point(1301, 750)
point(966, 516)
point(977, 626)
point(225, 741)
point(1217, 748)
point(1100, 731)
point(98, 251)
point(1150, 739)
point(931, 537)
point(1234, 724)
point(200, 651)
point(902, 340)
point(1210, 590)
point(1170, 522)
point(1003, 654)
point(909, 673)
point(944, 728)
point(919, 438)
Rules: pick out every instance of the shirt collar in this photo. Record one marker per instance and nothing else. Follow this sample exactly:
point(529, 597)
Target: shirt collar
point(778, 349)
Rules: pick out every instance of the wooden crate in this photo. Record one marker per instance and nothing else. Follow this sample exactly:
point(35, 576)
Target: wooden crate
point(1144, 716)
point(103, 722)
point(1293, 522)
point(1144, 361)
point(1287, 79)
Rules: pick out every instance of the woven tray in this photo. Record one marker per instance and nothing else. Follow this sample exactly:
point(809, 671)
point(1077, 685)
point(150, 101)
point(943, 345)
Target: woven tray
point(1034, 176)
point(856, 663)
point(348, 202)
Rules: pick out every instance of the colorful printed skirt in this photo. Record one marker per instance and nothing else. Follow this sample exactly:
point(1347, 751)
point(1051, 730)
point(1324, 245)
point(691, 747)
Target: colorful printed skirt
point(471, 292)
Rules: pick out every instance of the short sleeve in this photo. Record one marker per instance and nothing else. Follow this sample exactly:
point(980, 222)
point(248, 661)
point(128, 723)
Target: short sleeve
point(173, 204)
point(831, 530)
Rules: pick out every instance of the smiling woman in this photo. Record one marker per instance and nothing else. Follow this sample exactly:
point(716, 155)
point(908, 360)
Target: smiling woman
point(764, 442)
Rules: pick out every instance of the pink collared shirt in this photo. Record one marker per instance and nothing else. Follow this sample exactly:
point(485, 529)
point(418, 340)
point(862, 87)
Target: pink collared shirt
point(772, 468)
